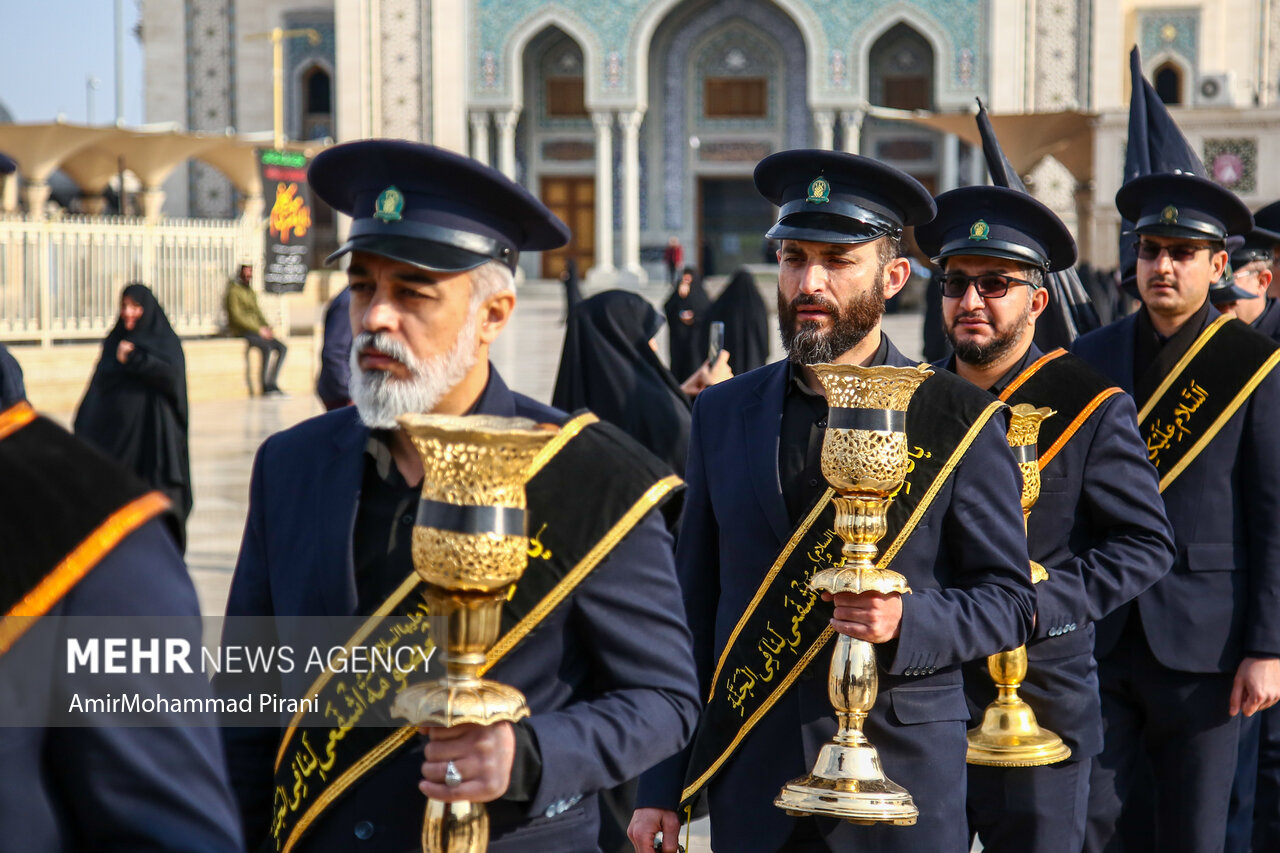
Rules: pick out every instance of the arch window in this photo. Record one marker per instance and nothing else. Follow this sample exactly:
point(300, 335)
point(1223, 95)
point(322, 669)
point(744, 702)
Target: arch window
point(1168, 83)
point(317, 103)
point(901, 70)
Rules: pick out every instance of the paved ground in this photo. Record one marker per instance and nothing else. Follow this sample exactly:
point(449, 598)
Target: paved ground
point(226, 435)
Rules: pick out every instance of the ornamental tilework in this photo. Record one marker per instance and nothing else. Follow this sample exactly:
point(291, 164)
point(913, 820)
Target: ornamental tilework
point(1162, 31)
point(402, 81)
point(1233, 163)
point(211, 97)
point(963, 24)
point(1053, 184)
point(299, 54)
point(768, 26)
point(1057, 55)
point(556, 55)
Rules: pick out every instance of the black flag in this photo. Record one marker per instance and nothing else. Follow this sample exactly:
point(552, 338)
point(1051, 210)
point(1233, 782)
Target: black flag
point(1070, 312)
point(1155, 145)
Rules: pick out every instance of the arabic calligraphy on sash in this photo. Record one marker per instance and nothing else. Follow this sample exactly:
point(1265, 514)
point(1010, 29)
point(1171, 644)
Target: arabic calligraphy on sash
point(1160, 435)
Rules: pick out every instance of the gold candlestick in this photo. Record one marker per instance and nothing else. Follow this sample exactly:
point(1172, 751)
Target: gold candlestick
point(1009, 735)
point(864, 458)
point(469, 546)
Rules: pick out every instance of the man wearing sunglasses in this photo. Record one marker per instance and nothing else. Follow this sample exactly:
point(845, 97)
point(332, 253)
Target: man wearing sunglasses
point(1179, 664)
point(758, 522)
point(1099, 527)
point(1242, 291)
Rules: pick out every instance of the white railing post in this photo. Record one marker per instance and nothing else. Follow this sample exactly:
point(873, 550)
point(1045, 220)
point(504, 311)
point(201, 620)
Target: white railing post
point(43, 284)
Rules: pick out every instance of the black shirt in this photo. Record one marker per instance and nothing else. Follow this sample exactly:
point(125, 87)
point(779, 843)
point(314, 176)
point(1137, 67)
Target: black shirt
point(804, 418)
point(1154, 356)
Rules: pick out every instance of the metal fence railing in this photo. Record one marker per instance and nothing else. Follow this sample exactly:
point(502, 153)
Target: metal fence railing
point(61, 279)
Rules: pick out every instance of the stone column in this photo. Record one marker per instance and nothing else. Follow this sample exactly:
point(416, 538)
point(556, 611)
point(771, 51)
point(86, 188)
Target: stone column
point(851, 120)
point(37, 193)
point(825, 121)
point(507, 121)
point(949, 171)
point(480, 136)
point(603, 122)
point(630, 123)
point(9, 193)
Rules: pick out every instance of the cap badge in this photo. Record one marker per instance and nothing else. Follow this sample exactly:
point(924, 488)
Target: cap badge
point(389, 205)
point(819, 191)
point(979, 231)
point(1169, 216)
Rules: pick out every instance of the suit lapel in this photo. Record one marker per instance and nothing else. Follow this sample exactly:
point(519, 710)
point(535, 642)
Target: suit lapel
point(336, 498)
point(762, 419)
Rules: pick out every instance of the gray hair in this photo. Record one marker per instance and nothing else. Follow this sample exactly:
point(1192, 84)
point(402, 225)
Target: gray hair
point(488, 280)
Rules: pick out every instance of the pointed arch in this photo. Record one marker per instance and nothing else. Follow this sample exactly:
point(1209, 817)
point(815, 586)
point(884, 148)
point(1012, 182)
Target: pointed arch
point(642, 33)
point(551, 16)
point(922, 23)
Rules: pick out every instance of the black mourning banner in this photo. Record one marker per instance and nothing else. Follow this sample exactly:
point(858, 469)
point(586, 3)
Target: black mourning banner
point(288, 238)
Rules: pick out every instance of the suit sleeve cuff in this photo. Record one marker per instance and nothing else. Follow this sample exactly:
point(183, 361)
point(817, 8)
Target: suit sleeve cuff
point(526, 767)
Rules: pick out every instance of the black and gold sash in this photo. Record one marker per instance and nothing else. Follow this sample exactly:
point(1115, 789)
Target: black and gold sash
point(1065, 384)
point(780, 633)
point(63, 507)
point(1204, 389)
point(589, 489)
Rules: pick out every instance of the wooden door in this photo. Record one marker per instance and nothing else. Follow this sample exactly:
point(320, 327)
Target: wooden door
point(573, 199)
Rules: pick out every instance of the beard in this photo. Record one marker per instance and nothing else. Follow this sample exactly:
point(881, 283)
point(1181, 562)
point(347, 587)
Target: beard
point(1002, 341)
point(380, 397)
point(806, 343)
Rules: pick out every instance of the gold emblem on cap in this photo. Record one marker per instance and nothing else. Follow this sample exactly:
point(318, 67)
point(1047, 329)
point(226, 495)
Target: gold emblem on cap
point(1169, 216)
point(979, 230)
point(819, 190)
point(389, 205)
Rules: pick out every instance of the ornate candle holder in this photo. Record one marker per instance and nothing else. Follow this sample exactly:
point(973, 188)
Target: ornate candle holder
point(469, 546)
point(864, 458)
point(1009, 735)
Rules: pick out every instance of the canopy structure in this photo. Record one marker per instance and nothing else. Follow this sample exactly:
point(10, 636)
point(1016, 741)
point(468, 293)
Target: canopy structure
point(92, 155)
point(1027, 138)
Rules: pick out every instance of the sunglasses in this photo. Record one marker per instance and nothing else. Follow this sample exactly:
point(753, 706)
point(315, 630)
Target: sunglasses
point(1181, 252)
point(989, 285)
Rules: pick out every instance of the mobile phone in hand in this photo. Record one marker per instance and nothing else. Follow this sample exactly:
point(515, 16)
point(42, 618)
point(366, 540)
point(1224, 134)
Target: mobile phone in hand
point(717, 342)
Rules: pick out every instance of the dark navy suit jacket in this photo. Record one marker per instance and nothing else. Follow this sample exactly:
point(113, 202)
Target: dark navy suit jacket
point(1221, 601)
point(1100, 530)
point(608, 675)
point(102, 787)
point(972, 596)
point(1268, 322)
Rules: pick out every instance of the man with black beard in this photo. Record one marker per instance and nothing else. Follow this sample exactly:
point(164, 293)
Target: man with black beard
point(758, 522)
point(1098, 529)
point(1180, 663)
point(591, 635)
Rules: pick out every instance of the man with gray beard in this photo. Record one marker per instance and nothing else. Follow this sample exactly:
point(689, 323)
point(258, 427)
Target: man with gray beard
point(759, 511)
point(593, 631)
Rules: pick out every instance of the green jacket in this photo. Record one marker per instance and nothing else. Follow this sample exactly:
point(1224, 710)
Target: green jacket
point(244, 317)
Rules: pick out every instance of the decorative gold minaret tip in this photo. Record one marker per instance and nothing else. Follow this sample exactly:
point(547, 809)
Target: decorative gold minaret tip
point(864, 458)
point(1009, 735)
point(470, 543)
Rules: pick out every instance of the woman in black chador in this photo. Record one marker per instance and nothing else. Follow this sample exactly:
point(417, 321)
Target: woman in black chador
point(610, 367)
point(684, 310)
point(136, 407)
point(746, 323)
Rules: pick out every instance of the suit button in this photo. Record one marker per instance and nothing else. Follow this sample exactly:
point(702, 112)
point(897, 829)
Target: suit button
point(1071, 627)
point(364, 830)
point(813, 481)
point(407, 519)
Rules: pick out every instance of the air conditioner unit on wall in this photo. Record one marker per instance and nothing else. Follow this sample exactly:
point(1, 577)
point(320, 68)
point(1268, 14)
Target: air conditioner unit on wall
point(1215, 90)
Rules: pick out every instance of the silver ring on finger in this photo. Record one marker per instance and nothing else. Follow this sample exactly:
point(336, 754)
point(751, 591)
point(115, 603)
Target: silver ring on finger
point(452, 778)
